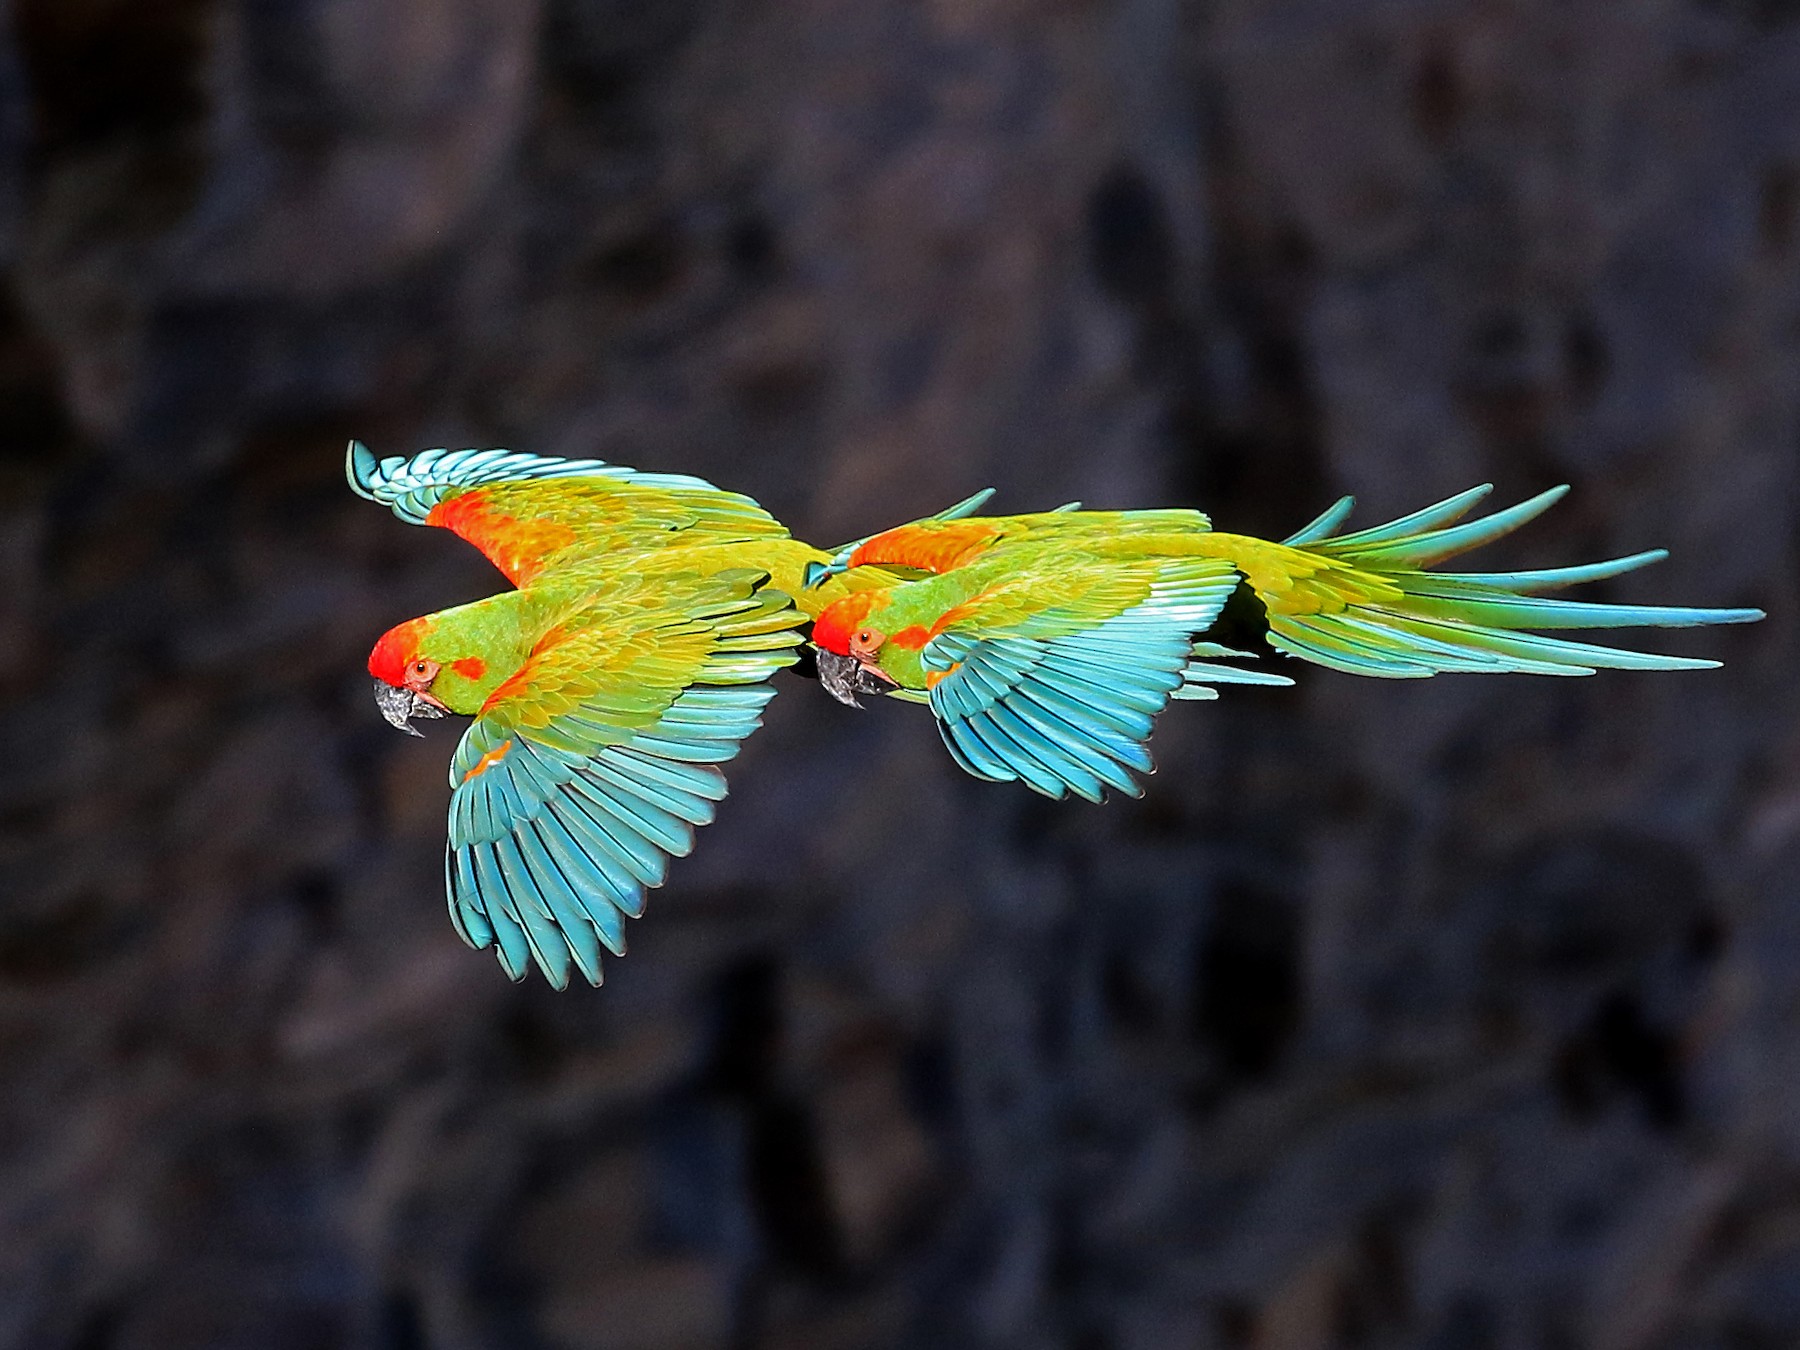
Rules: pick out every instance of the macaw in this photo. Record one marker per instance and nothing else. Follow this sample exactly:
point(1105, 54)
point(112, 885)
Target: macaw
point(1047, 644)
point(631, 660)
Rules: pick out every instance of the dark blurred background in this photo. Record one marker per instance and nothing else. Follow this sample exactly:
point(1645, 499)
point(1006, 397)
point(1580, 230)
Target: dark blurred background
point(1461, 1015)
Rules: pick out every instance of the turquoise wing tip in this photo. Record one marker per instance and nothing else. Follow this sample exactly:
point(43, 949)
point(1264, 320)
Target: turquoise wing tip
point(361, 469)
point(514, 964)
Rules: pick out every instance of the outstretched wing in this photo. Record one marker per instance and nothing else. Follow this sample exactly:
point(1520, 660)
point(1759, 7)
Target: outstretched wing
point(1054, 678)
point(530, 512)
point(589, 769)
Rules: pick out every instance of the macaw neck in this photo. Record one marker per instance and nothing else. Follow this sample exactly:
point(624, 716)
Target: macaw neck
point(922, 604)
point(905, 666)
point(479, 646)
point(911, 617)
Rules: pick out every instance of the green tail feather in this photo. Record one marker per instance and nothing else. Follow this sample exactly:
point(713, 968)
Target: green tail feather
point(1470, 621)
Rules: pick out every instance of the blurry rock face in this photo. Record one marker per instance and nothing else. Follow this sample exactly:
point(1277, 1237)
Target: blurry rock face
point(1459, 1015)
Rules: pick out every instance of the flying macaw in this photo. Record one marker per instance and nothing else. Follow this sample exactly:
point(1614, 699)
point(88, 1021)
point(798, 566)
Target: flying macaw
point(631, 660)
point(1047, 644)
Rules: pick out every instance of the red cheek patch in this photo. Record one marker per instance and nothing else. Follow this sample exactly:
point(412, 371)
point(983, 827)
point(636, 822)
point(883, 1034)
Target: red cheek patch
point(469, 667)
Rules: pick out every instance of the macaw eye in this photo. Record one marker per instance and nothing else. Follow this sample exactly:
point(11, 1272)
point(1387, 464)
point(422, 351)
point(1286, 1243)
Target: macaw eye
point(420, 667)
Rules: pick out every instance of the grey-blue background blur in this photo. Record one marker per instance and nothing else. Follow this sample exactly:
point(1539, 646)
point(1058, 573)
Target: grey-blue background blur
point(1461, 1015)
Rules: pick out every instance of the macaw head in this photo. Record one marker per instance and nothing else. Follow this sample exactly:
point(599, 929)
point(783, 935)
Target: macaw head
point(854, 654)
point(446, 662)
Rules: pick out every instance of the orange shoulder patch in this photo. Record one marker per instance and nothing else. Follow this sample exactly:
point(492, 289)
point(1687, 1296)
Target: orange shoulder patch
point(488, 760)
point(935, 548)
point(520, 680)
point(517, 547)
point(515, 682)
point(956, 612)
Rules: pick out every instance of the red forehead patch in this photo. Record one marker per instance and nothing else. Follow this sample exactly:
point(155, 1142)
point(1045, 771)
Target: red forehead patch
point(841, 618)
point(395, 652)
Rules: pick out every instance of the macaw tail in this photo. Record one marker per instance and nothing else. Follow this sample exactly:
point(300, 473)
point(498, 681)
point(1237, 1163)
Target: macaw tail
point(1395, 618)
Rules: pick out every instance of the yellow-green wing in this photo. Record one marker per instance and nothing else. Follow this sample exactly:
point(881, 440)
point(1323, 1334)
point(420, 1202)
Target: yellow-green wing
point(1054, 676)
point(529, 513)
point(591, 767)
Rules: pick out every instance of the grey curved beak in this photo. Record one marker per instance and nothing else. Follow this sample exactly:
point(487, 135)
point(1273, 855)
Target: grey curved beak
point(844, 677)
point(398, 706)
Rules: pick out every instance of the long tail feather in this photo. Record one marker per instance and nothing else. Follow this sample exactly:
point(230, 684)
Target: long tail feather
point(1421, 623)
point(1422, 549)
point(1419, 522)
point(1549, 578)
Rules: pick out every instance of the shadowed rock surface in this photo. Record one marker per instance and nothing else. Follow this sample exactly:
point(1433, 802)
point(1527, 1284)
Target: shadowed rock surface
point(1457, 1015)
